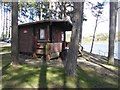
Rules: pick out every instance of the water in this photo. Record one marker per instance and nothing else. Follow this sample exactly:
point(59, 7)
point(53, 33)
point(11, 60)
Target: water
point(101, 48)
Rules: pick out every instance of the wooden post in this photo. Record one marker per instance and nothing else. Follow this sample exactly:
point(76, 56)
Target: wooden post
point(64, 36)
point(64, 41)
point(44, 54)
point(50, 30)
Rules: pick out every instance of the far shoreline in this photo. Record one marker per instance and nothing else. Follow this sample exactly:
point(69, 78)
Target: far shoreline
point(99, 41)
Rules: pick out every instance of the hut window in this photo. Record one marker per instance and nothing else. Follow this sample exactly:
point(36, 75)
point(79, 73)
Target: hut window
point(25, 31)
point(42, 34)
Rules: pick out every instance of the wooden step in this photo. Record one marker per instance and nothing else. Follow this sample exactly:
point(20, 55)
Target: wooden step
point(41, 49)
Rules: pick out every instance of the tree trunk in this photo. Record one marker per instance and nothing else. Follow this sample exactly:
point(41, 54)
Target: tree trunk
point(9, 30)
point(50, 6)
point(64, 10)
point(40, 11)
point(14, 44)
point(3, 33)
point(81, 23)
point(60, 3)
point(7, 23)
point(96, 23)
point(71, 60)
point(112, 31)
point(2, 19)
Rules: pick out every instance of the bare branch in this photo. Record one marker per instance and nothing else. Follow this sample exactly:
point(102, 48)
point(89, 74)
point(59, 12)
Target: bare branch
point(102, 21)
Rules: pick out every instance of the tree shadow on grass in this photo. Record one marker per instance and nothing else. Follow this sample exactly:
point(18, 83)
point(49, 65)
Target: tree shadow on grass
point(43, 75)
point(58, 78)
point(64, 80)
point(5, 62)
point(93, 80)
point(99, 61)
point(18, 77)
point(56, 74)
point(93, 61)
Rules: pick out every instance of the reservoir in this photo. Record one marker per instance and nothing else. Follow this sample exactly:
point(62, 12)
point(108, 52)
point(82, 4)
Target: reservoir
point(101, 48)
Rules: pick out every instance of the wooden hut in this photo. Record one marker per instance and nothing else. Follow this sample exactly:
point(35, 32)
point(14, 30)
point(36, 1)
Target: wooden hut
point(43, 37)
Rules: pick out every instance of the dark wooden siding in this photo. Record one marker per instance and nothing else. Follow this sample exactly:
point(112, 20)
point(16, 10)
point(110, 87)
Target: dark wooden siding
point(26, 40)
point(56, 34)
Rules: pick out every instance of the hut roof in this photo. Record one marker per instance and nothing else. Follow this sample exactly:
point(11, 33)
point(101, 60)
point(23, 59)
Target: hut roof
point(65, 24)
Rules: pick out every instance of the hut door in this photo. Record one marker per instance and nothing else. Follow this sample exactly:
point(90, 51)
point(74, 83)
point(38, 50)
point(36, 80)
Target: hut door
point(25, 40)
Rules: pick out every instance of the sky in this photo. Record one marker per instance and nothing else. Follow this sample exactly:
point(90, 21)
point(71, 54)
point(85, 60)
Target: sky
point(88, 26)
point(103, 26)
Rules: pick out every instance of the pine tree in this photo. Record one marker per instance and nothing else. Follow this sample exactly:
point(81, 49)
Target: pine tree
point(112, 30)
point(71, 60)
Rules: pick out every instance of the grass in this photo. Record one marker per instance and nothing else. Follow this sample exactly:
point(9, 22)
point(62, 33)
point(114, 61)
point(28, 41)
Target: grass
point(27, 76)
point(5, 60)
point(5, 48)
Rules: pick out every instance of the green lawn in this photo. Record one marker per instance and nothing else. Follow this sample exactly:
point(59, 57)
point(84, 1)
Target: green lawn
point(27, 76)
point(5, 50)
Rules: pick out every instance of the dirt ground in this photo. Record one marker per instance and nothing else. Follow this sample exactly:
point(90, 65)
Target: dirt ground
point(98, 63)
point(87, 61)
